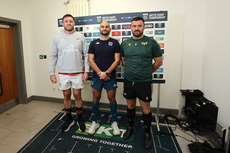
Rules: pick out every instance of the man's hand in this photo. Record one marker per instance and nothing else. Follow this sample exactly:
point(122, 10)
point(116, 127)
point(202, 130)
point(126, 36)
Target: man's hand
point(106, 78)
point(53, 78)
point(102, 75)
point(85, 76)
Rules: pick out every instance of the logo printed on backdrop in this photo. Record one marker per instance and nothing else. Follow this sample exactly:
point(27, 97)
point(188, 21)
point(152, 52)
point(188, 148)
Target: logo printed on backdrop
point(99, 19)
point(149, 25)
point(145, 16)
point(126, 26)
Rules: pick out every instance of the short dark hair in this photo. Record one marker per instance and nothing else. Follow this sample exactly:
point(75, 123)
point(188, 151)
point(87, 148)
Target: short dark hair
point(137, 19)
point(67, 15)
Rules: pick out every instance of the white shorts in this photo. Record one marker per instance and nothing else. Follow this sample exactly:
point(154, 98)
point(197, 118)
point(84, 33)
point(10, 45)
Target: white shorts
point(70, 81)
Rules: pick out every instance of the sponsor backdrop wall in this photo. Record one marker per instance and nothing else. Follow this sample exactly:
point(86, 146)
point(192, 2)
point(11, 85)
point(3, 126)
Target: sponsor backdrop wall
point(155, 23)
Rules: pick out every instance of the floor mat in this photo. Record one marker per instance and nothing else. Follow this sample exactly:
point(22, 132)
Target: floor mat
point(51, 140)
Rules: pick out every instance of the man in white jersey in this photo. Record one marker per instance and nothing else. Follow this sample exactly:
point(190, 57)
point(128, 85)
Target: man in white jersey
point(68, 50)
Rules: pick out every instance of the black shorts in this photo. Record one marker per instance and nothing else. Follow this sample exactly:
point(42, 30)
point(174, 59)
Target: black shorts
point(141, 90)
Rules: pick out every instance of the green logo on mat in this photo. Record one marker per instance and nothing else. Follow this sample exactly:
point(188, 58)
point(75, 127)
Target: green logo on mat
point(106, 131)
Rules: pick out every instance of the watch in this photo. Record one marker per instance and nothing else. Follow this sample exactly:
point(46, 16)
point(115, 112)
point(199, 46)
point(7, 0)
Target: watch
point(106, 73)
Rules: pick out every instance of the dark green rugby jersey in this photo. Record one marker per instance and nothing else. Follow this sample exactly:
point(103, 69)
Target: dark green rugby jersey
point(138, 58)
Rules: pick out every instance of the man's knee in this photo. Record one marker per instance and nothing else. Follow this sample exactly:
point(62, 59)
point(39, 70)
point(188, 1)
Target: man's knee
point(96, 99)
point(77, 97)
point(67, 95)
point(111, 99)
point(146, 109)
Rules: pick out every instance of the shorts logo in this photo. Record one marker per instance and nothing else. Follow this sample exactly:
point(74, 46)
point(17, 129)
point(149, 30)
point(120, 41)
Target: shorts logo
point(115, 85)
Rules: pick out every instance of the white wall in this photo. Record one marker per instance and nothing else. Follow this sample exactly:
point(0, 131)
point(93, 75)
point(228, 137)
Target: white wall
point(206, 52)
point(194, 38)
point(43, 17)
point(216, 72)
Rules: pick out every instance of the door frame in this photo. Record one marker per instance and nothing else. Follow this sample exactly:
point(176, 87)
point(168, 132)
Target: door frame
point(19, 60)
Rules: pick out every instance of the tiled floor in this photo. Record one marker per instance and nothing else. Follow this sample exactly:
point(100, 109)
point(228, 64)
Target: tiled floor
point(19, 124)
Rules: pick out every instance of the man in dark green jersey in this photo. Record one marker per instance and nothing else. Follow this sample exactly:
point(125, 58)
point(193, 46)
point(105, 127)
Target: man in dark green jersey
point(138, 54)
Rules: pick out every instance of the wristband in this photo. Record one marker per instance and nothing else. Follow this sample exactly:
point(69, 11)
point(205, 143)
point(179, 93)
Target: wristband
point(106, 73)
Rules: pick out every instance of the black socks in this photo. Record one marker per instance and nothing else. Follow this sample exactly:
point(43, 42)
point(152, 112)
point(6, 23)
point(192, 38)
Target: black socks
point(131, 115)
point(147, 121)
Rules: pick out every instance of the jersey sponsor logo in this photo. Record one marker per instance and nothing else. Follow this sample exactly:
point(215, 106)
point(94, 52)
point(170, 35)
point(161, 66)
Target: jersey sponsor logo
point(144, 43)
point(110, 43)
point(137, 44)
point(97, 43)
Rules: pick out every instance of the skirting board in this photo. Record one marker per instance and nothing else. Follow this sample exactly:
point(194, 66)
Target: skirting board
point(8, 105)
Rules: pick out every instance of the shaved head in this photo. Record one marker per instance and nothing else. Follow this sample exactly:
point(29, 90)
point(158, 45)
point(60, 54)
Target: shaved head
point(105, 23)
point(105, 28)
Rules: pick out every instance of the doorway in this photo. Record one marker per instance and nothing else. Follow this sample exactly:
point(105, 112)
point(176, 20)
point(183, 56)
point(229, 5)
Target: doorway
point(8, 79)
point(20, 93)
